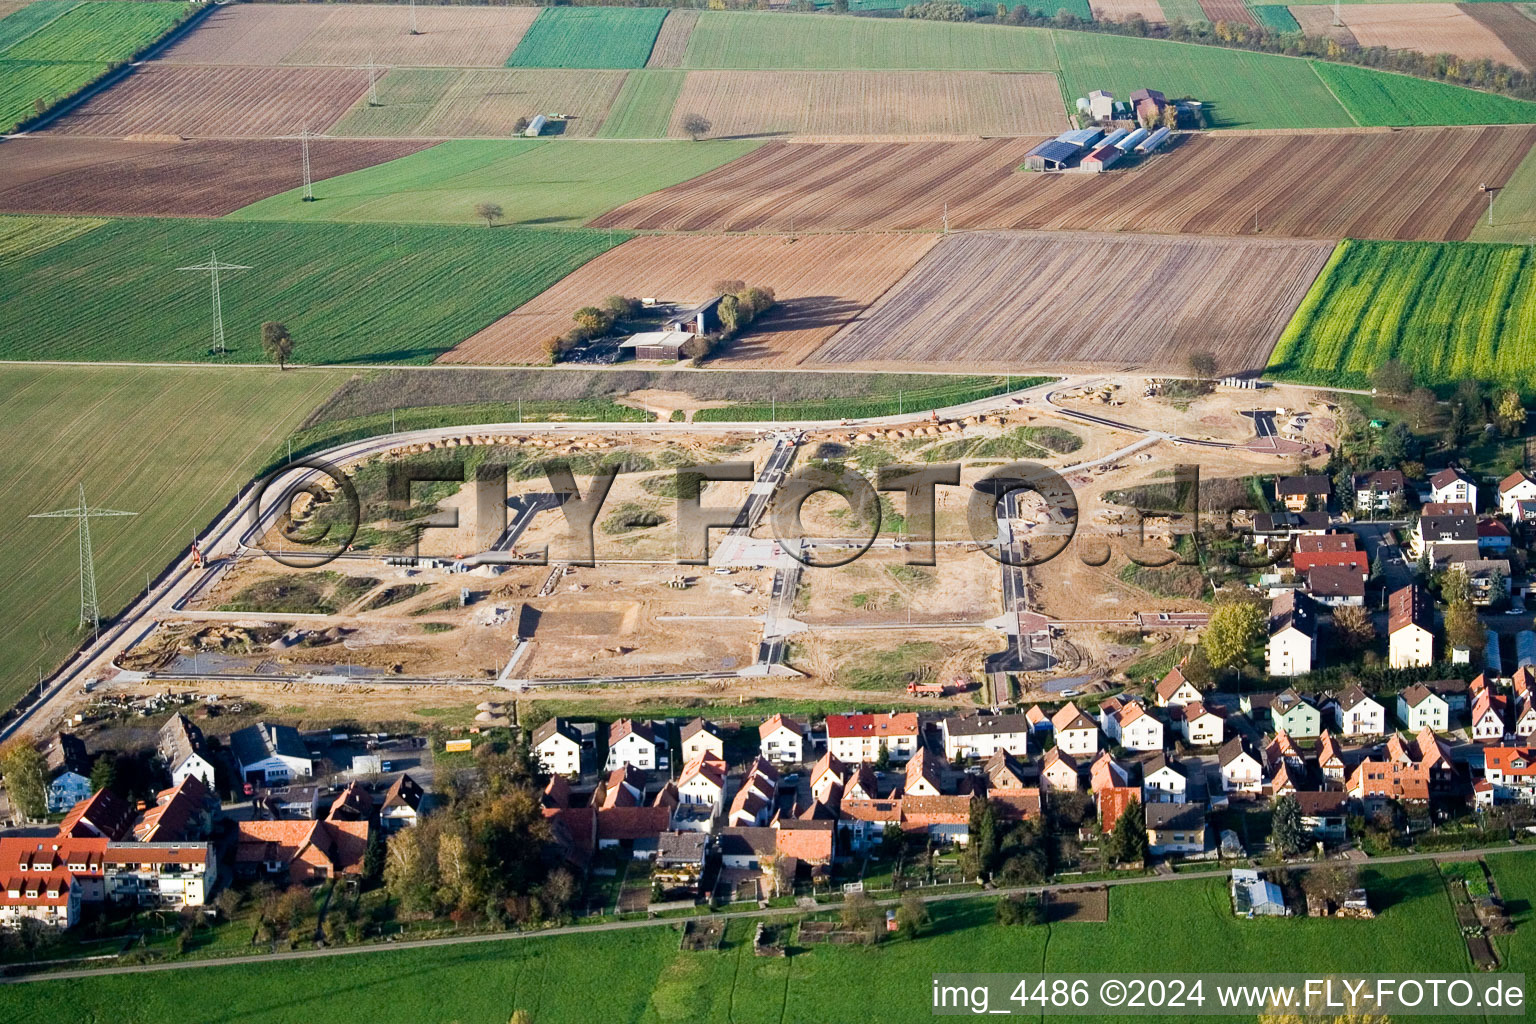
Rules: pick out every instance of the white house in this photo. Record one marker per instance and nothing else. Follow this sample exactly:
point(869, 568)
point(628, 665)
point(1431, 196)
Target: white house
point(1523, 721)
point(855, 738)
point(1292, 647)
point(981, 736)
point(700, 737)
point(69, 771)
point(1162, 780)
point(557, 747)
point(1517, 487)
point(1452, 485)
point(636, 744)
point(1198, 724)
point(702, 782)
point(271, 755)
point(1174, 689)
point(180, 745)
point(1419, 707)
point(1410, 628)
point(1241, 772)
point(1512, 772)
point(1076, 733)
point(1358, 713)
point(1059, 771)
point(1138, 730)
point(1488, 717)
point(782, 740)
point(401, 805)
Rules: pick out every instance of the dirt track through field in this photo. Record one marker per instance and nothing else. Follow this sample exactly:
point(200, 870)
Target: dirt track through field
point(166, 99)
point(1025, 301)
point(672, 41)
point(1516, 30)
point(960, 103)
point(822, 282)
point(1411, 184)
point(205, 178)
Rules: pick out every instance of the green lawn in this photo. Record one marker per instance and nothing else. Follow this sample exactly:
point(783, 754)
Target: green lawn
point(170, 444)
point(1450, 310)
point(644, 105)
point(349, 293)
point(537, 183)
point(778, 41)
point(1379, 98)
point(1514, 207)
point(100, 31)
point(589, 37)
point(1152, 928)
point(1240, 89)
point(20, 24)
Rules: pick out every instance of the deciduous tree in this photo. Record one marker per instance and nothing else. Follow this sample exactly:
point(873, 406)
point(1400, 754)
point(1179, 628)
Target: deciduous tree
point(1509, 414)
point(277, 343)
point(1354, 626)
point(26, 778)
point(488, 212)
point(1233, 630)
point(696, 126)
point(1392, 377)
point(1285, 832)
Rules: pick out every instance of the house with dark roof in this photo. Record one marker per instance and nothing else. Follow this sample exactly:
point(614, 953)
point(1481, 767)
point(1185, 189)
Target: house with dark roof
point(700, 737)
point(181, 747)
point(402, 802)
point(638, 744)
point(1175, 828)
point(1357, 713)
point(1452, 484)
point(982, 736)
point(182, 813)
point(557, 746)
point(271, 755)
point(1292, 647)
point(1379, 491)
point(1410, 628)
point(1303, 493)
point(103, 814)
point(69, 771)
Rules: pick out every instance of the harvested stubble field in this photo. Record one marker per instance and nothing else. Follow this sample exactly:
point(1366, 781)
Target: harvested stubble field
point(1233, 12)
point(1515, 28)
point(1429, 28)
point(964, 103)
point(1379, 98)
point(447, 103)
point(822, 282)
point(1016, 300)
point(350, 34)
point(1450, 311)
point(672, 41)
point(204, 178)
point(164, 99)
point(1123, 10)
point(1414, 184)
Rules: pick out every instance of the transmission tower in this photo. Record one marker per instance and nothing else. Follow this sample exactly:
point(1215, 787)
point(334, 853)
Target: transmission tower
point(309, 191)
point(413, 19)
point(373, 85)
point(213, 266)
point(90, 608)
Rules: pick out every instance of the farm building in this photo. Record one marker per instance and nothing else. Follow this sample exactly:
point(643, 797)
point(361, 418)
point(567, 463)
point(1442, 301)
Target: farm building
point(657, 344)
point(536, 126)
point(696, 319)
point(1055, 154)
point(1101, 105)
point(1149, 104)
point(1152, 143)
point(1101, 159)
point(1132, 140)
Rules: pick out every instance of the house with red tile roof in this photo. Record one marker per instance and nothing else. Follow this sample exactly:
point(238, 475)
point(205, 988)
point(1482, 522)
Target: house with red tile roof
point(1511, 772)
point(924, 777)
point(103, 814)
point(783, 740)
point(1489, 717)
point(635, 744)
point(181, 813)
point(811, 841)
point(1175, 689)
point(1076, 733)
point(1060, 771)
point(702, 782)
point(300, 851)
point(855, 738)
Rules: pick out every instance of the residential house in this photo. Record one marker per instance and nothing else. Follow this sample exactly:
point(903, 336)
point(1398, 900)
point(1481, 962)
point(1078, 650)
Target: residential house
point(1335, 550)
point(855, 738)
point(829, 776)
point(1197, 724)
point(1281, 748)
point(622, 787)
point(945, 819)
point(1488, 579)
point(1323, 813)
point(640, 827)
point(865, 821)
point(923, 776)
point(746, 849)
point(48, 882)
point(1512, 773)
point(1292, 647)
point(1453, 691)
point(181, 747)
point(1303, 493)
point(1005, 774)
point(1106, 773)
point(1174, 689)
point(1420, 707)
point(1330, 758)
point(271, 755)
point(1295, 714)
point(1357, 713)
point(1522, 720)
point(1336, 586)
point(1406, 772)
point(1163, 780)
point(1241, 772)
point(69, 771)
point(1517, 487)
point(1076, 733)
point(1453, 485)
point(810, 842)
point(1489, 717)
point(1444, 537)
point(782, 740)
point(702, 782)
point(1274, 528)
point(1380, 491)
point(754, 799)
point(401, 807)
point(637, 744)
point(160, 874)
point(182, 813)
point(102, 815)
point(981, 736)
point(1038, 719)
point(1059, 771)
point(1175, 828)
point(1493, 537)
point(1129, 724)
point(699, 737)
point(556, 746)
point(680, 861)
point(300, 851)
point(1410, 628)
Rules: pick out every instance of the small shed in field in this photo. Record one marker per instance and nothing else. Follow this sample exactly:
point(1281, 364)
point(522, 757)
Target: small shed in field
point(1152, 143)
point(536, 126)
point(656, 344)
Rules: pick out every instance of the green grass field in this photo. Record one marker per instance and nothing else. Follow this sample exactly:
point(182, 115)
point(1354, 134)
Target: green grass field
point(19, 25)
point(349, 293)
point(646, 978)
point(406, 97)
point(778, 41)
point(23, 237)
point(1450, 310)
point(1240, 89)
point(1187, 11)
point(1377, 98)
point(170, 444)
point(1277, 17)
point(99, 31)
point(589, 37)
point(1515, 875)
point(1514, 208)
point(23, 83)
point(644, 105)
point(538, 183)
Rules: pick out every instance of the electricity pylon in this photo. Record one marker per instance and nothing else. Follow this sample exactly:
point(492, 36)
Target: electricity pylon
point(213, 266)
point(90, 609)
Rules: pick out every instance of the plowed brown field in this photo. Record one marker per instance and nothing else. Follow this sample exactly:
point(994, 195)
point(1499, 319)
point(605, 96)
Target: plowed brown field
point(1429, 28)
point(350, 34)
point(1121, 10)
point(1029, 301)
point(672, 40)
point(167, 99)
point(822, 283)
point(1411, 184)
point(1517, 31)
point(58, 174)
point(1317, 20)
point(1233, 12)
point(961, 103)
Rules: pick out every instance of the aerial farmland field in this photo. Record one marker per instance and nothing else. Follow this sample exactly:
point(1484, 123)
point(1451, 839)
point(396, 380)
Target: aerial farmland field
point(822, 282)
point(672, 41)
point(24, 237)
point(537, 182)
point(1379, 98)
point(19, 20)
point(1121, 10)
point(202, 178)
point(448, 103)
point(1450, 311)
point(1234, 12)
point(22, 83)
point(589, 37)
point(852, 103)
point(1430, 28)
point(1514, 218)
point(1011, 300)
point(1512, 26)
point(101, 31)
point(172, 99)
point(1420, 183)
point(643, 108)
point(182, 441)
point(349, 293)
point(787, 41)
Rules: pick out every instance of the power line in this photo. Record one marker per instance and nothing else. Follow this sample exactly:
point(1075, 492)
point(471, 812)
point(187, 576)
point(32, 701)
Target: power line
point(212, 267)
point(90, 607)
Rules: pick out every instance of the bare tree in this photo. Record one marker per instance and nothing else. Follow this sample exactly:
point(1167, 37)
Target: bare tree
point(277, 343)
point(696, 125)
point(488, 212)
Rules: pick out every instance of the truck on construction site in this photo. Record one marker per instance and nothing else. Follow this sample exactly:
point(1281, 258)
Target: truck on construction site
point(960, 684)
